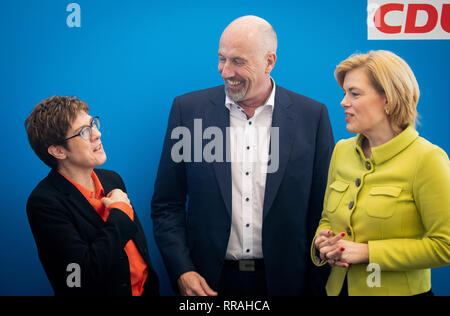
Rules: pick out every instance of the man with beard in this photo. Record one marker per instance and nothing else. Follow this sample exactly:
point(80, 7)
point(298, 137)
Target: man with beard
point(249, 221)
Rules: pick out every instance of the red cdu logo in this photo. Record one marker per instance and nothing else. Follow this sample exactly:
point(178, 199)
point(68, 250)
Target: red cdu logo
point(408, 19)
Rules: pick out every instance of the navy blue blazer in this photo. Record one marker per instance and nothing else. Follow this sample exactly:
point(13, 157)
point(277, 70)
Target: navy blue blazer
point(196, 239)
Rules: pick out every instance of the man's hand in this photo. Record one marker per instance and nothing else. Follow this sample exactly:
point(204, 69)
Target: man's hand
point(193, 284)
point(116, 195)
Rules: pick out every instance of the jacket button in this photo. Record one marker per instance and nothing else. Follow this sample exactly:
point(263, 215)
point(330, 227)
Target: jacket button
point(349, 232)
point(350, 205)
point(368, 165)
point(358, 182)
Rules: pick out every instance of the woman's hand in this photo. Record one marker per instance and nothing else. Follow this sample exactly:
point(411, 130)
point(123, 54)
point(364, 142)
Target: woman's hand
point(339, 252)
point(116, 195)
point(325, 242)
point(344, 252)
point(322, 238)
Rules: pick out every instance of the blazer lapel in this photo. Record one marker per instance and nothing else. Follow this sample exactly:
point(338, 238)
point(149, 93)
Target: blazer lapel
point(219, 116)
point(284, 119)
point(76, 198)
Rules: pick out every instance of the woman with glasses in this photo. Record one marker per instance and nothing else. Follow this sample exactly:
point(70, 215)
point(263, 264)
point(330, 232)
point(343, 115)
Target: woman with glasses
point(88, 237)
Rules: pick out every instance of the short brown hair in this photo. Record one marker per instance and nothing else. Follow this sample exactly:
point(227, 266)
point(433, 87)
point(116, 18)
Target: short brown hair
point(390, 75)
point(49, 123)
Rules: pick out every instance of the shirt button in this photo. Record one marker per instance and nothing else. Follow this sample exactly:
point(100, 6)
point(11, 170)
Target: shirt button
point(248, 147)
point(368, 165)
point(247, 173)
point(248, 225)
point(350, 205)
point(247, 251)
point(358, 182)
point(249, 123)
point(247, 199)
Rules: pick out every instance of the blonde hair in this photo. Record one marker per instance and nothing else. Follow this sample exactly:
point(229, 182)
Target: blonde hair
point(390, 75)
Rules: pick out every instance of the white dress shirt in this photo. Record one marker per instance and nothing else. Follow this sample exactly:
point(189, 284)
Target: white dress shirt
point(249, 149)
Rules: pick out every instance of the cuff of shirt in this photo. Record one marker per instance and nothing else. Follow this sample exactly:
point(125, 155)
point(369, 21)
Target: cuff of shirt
point(124, 207)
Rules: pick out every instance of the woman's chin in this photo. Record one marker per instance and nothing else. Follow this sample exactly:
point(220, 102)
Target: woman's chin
point(352, 129)
point(101, 161)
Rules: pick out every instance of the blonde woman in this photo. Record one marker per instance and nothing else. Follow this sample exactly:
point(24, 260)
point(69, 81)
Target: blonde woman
point(387, 201)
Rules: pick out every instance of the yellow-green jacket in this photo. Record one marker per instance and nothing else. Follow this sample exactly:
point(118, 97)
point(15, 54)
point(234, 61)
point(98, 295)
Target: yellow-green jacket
point(398, 202)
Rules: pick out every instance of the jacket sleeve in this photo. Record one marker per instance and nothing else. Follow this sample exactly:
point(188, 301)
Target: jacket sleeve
point(169, 206)
point(432, 197)
point(59, 244)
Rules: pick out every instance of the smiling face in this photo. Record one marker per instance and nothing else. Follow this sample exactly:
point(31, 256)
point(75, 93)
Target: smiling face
point(81, 153)
point(244, 64)
point(364, 105)
point(241, 68)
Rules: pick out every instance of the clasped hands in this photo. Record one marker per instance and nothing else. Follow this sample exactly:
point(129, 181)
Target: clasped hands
point(340, 252)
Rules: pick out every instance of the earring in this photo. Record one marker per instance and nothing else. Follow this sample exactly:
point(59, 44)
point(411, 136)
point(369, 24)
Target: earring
point(386, 110)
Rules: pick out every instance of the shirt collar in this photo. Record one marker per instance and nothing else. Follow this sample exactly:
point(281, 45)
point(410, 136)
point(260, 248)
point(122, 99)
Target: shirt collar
point(270, 100)
point(88, 194)
point(391, 148)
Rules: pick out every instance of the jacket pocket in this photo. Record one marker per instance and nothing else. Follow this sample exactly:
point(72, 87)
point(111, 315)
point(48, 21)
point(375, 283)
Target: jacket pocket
point(382, 201)
point(337, 191)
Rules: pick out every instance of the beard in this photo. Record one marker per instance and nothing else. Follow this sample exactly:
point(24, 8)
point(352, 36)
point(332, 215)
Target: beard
point(234, 94)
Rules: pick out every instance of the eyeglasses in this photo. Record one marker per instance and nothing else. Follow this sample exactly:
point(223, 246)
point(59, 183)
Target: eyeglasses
point(86, 131)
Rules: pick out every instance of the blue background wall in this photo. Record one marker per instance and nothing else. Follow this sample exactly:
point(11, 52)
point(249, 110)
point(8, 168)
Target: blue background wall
point(130, 59)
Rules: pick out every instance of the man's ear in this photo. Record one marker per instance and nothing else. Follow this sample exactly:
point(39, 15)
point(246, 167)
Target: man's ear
point(58, 151)
point(271, 58)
